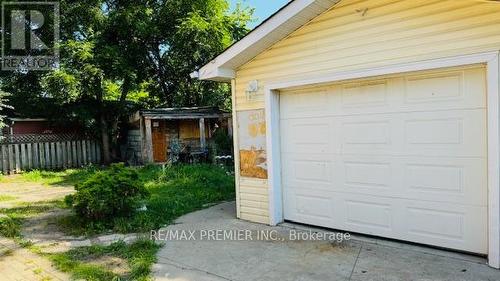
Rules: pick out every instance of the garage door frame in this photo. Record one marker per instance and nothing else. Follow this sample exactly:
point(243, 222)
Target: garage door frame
point(492, 62)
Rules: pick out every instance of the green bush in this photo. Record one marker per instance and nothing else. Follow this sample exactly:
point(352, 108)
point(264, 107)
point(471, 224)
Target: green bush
point(108, 194)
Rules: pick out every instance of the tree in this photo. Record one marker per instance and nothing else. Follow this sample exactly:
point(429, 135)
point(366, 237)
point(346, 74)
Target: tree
point(3, 105)
point(120, 52)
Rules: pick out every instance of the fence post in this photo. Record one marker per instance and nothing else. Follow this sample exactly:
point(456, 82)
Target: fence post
point(11, 158)
point(47, 156)
point(24, 164)
point(30, 156)
point(68, 152)
point(41, 152)
point(36, 156)
point(74, 153)
point(62, 146)
point(84, 152)
point(59, 162)
point(89, 151)
point(53, 156)
point(98, 153)
point(17, 158)
point(5, 162)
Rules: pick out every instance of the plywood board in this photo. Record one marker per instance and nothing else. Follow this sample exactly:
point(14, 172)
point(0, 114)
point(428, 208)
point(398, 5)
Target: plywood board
point(252, 143)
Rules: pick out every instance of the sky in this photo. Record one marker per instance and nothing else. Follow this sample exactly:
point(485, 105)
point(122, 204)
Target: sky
point(263, 8)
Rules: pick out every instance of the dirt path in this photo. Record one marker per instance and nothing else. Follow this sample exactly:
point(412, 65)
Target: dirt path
point(17, 263)
point(24, 192)
point(41, 229)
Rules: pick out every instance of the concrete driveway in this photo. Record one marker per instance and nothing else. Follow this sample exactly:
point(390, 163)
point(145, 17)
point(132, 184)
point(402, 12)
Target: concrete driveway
point(360, 258)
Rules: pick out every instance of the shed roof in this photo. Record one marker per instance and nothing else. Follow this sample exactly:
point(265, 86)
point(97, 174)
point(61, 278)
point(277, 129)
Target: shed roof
point(185, 113)
point(281, 24)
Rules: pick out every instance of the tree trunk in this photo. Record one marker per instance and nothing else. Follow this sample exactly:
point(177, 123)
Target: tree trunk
point(106, 153)
point(103, 124)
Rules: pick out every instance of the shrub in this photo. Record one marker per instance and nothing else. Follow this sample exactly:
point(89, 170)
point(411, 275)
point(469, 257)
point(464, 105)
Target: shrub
point(10, 227)
point(108, 194)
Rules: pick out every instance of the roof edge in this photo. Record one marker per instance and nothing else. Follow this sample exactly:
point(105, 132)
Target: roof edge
point(273, 29)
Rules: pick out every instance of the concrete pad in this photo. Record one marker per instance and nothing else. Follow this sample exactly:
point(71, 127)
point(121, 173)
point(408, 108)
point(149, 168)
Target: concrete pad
point(357, 259)
point(387, 263)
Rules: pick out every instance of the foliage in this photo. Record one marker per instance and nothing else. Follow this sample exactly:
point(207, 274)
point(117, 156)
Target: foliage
point(10, 227)
point(108, 194)
point(118, 56)
point(140, 256)
point(223, 143)
point(4, 198)
point(175, 150)
point(11, 218)
point(62, 178)
point(175, 190)
point(3, 105)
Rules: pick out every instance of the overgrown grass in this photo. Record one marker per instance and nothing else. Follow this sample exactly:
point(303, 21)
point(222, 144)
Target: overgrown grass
point(175, 191)
point(4, 198)
point(11, 218)
point(65, 177)
point(139, 256)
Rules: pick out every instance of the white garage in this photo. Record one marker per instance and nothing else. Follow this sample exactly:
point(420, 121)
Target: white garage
point(379, 117)
point(402, 157)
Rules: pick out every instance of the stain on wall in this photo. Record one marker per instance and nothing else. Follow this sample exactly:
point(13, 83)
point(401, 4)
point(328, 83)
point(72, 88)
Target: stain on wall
point(252, 143)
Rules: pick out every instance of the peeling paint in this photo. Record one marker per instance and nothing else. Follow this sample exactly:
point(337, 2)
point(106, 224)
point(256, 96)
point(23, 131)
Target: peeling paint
point(252, 144)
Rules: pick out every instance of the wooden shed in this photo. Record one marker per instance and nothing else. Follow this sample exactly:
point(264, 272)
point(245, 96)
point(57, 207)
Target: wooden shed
point(155, 130)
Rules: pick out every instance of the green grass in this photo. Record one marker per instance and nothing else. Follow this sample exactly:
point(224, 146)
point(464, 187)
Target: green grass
point(65, 177)
point(175, 191)
point(4, 198)
point(12, 218)
point(139, 256)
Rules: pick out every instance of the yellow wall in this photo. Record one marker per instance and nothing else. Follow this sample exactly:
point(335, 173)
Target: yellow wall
point(342, 39)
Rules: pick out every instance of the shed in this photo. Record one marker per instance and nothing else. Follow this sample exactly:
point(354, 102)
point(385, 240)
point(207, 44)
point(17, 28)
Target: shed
point(153, 131)
point(22, 130)
point(377, 117)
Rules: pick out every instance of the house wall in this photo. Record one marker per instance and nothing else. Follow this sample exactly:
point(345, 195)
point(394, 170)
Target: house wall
point(361, 34)
point(40, 127)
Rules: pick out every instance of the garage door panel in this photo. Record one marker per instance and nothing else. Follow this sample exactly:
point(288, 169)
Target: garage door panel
point(312, 135)
point(450, 133)
point(301, 103)
point(436, 91)
point(445, 225)
point(438, 179)
point(402, 157)
point(445, 90)
point(446, 133)
point(321, 179)
point(311, 206)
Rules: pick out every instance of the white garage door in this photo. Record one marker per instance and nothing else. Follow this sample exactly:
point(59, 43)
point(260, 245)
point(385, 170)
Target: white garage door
point(402, 157)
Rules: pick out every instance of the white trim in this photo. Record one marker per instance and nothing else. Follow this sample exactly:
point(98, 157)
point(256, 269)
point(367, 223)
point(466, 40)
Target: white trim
point(274, 157)
point(491, 60)
point(264, 36)
point(493, 79)
point(236, 146)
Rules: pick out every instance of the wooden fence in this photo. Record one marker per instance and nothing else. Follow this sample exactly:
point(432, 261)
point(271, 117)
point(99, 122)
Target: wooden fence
point(48, 155)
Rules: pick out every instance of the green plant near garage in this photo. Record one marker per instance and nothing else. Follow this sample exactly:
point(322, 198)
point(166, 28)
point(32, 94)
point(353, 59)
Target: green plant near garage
point(108, 194)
